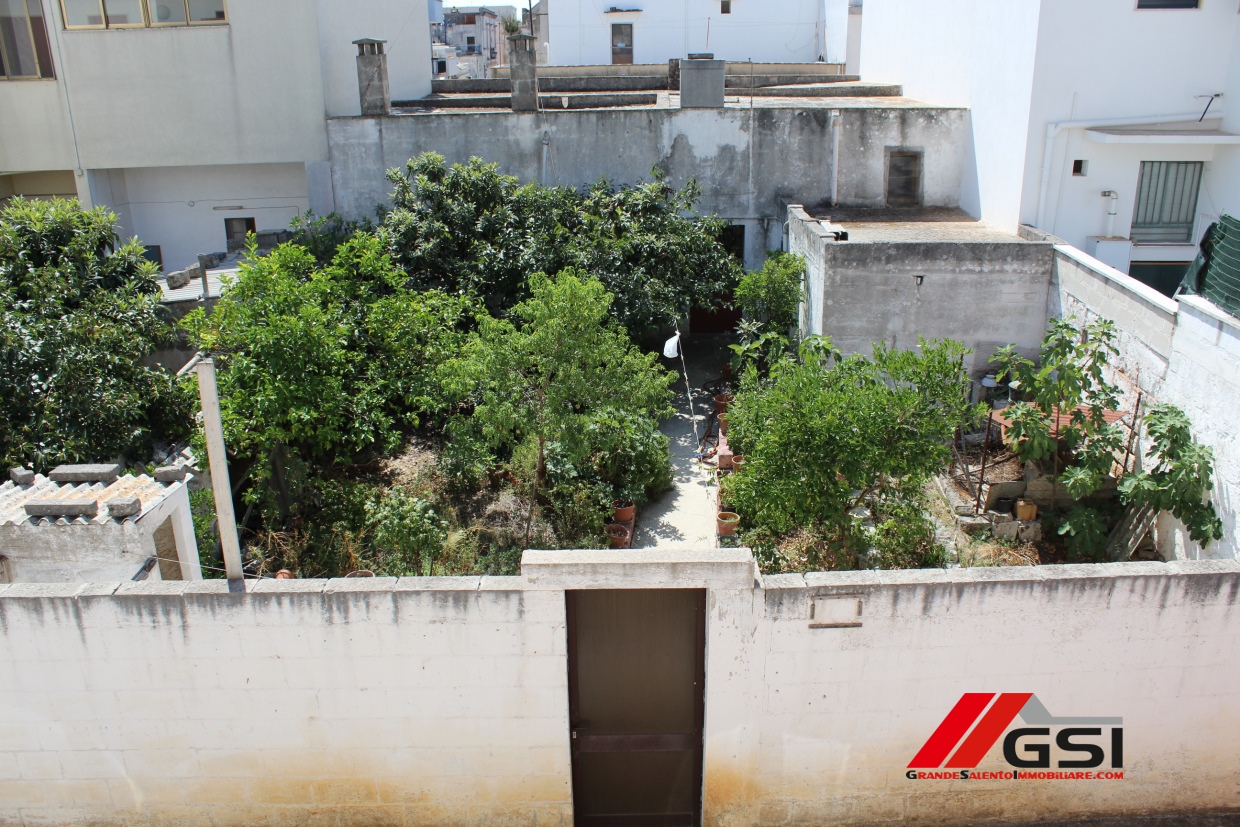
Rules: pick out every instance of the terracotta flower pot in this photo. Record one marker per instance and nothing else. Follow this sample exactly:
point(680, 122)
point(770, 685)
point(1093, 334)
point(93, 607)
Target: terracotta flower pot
point(618, 534)
point(726, 523)
point(1026, 510)
point(721, 403)
point(738, 462)
point(623, 511)
point(723, 423)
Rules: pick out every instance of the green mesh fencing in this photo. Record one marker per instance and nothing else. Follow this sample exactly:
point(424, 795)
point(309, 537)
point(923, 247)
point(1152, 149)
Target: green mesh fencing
point(1216, 272)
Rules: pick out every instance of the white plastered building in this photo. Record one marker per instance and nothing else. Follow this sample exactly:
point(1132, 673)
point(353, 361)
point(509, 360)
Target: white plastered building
point(193, 120)
point(1071, 100)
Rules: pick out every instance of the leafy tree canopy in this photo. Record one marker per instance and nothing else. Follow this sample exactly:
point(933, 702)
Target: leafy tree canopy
point(330, 362)
point(469, 228)
point(79, 314)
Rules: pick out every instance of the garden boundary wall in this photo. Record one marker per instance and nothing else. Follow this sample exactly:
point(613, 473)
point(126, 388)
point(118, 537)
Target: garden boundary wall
point(749, 163)
point(1185, 351)
point(444, 700)
point(985, 294)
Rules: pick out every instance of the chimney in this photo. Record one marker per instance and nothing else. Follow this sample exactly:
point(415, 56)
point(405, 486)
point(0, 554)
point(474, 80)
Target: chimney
point(372, 77)
point(702, 81)
point(523, 69)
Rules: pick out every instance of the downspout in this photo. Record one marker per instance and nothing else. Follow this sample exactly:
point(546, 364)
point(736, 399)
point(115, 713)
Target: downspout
point(836, 128)
point(1053, 130)
point(546, 152)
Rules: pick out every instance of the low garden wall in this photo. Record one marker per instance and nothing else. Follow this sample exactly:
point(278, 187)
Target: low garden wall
point(444, 700)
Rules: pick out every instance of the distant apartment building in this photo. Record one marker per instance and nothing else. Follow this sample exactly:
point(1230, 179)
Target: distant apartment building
point(193, 120)
point(1075, 129)
point(585, 32)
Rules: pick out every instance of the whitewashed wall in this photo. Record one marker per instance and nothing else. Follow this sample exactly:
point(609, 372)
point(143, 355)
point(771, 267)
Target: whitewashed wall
point(790, 31)
point(974, 53)
point(428, 701)
point(1185, 352)
point(402, 23)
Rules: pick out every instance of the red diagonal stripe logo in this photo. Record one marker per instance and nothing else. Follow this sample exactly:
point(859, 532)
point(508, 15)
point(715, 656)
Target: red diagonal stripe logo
point(988, 730)
point(953, 728)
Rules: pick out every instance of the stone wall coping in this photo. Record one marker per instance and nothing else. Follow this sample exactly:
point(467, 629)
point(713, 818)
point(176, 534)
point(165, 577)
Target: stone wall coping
point(1210, 309)
point(688, 568)
point(721, 569)
point(1124, 282)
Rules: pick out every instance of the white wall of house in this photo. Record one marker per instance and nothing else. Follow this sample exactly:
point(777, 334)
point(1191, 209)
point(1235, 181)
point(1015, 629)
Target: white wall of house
point(445, 700)
point(183, 209)
point(1094, 62)
point(790, 31)
point(399, 22)
point(974, 53)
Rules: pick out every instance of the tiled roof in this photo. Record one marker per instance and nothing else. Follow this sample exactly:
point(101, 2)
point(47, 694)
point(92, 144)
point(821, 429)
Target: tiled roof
point(14, 497)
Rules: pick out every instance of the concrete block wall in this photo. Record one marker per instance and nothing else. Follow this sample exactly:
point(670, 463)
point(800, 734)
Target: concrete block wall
point(425, 701)
point(1184, 351)
point(985, 295)
point(444, 700)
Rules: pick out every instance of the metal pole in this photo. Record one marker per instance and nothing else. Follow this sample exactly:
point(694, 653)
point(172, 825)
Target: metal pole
point(226, 519)
point(981, 478)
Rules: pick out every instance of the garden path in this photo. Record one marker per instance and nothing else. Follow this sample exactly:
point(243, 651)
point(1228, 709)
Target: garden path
point(686, 515)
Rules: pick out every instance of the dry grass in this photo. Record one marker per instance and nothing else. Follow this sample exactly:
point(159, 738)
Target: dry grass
point(991, 552)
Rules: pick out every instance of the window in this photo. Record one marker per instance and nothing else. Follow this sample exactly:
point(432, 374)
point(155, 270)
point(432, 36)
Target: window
point(725, 6)
point(1168, 4)
point(1166, 202)
point(131, 14)
point(1080, 168)
point(903, 178)
point(733, 241)
point(622, 44)
point(441, 67)
point(24, 50)
point(1163, 276)
point(236, 229)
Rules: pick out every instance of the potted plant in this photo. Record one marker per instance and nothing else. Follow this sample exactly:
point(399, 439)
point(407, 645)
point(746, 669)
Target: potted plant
point(722, 401)
point(726, 523)
point(623, 510)
point(738, 462)
point(723, 424)
point(618, 535)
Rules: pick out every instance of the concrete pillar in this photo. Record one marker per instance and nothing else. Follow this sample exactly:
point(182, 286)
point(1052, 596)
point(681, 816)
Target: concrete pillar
point(523, 69)
point(186, 542)
point(673, 75)
point(372, 77)
point(701, 82)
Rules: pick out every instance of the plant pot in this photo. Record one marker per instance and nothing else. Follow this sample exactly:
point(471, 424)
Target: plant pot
point(738, 462)
point(623, 511)
point(726, 523)
point(721, 403)
point(723, 423)
point(618, 534)
point(1026, 510)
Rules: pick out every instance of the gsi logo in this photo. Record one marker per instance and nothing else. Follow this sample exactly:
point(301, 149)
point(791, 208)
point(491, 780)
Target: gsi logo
point(967, 739)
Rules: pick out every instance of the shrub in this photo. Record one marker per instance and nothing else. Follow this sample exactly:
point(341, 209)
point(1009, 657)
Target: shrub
point(904, 537)
point(407, 535)
point(1085, 533)
point(772, 296)
point(79, 315)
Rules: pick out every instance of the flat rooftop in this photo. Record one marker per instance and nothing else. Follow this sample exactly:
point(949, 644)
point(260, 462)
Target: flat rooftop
point(914, 226)
point(461, 103)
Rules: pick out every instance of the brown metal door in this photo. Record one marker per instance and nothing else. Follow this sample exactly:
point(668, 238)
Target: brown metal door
point(636, 673)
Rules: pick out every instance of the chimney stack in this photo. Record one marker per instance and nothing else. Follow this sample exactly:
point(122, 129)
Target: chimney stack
point(523, 70)
point(702, 80)
point(372, 77)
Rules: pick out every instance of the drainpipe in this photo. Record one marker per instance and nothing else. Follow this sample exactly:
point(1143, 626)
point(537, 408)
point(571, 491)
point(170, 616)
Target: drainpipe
point(1053, 130)
point(1111, 209)
point(546, 152)
point(836, 128)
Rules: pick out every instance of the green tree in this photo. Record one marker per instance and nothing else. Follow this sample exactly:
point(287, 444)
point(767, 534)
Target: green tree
point(827, 434)
point(1065, 399)
point(327, 364)
point(469, 228)
point(1181, 477)
point(547, 375)
point(79, 317)
point(771, 297)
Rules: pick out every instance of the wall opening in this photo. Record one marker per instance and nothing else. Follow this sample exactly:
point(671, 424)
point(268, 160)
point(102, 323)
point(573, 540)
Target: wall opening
point(622, 44)
point(636, 675)
point(236, 230)
point(903, 178)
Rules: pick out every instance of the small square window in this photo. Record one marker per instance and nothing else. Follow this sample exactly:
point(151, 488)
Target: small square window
point(725, 6)
point(1080, 168)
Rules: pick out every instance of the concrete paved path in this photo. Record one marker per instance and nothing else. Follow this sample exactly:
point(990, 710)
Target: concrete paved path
point(686, 514)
